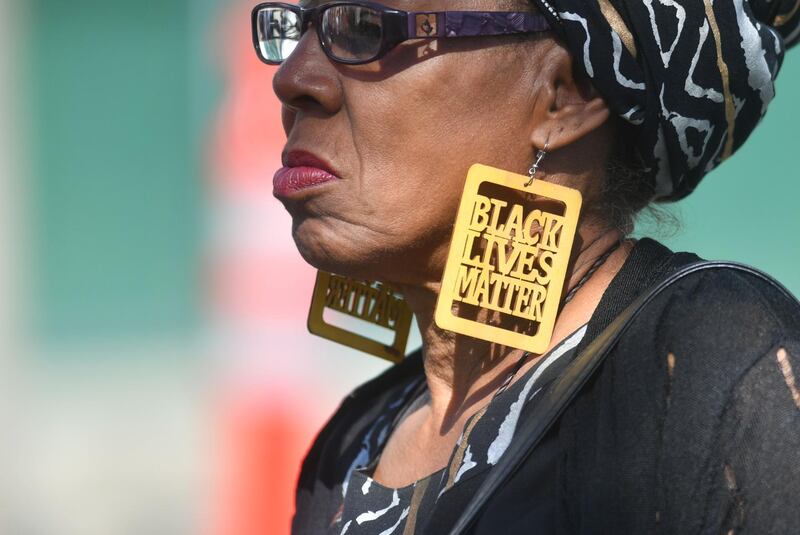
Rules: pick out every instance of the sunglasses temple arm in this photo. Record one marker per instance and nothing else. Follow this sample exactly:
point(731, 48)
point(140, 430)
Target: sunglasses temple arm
point(423, 25)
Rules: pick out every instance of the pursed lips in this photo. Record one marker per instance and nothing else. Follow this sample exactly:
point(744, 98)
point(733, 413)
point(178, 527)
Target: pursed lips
point(301, 170)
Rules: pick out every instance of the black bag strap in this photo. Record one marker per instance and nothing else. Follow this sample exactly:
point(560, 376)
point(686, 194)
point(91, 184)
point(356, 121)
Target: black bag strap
point(566, 387)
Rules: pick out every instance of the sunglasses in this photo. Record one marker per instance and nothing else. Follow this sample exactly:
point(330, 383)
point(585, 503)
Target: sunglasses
point(360, 32)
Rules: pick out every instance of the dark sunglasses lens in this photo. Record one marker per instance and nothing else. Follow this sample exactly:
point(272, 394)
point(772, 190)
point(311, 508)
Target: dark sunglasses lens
point(352, 32)
point(278, 32)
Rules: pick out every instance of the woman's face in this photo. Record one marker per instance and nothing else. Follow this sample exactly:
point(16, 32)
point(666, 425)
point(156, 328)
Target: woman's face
point(400, 134)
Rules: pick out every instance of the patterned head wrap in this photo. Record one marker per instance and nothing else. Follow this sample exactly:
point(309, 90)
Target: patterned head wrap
point(695, 76)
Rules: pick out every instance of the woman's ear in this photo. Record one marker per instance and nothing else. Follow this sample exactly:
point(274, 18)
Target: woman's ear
point(567, 106)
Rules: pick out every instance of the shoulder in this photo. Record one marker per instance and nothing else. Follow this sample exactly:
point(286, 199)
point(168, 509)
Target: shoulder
point(682, 359)
point(727, 409)
point(689, 385)
point(733, 293)
point(704, 332)
point(712, 341)
point(720, 318)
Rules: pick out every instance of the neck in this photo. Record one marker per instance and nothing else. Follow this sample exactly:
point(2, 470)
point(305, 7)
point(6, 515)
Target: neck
point(463, 372)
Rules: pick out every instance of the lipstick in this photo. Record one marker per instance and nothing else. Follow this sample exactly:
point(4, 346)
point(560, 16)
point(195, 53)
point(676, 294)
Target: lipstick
point(302, 170)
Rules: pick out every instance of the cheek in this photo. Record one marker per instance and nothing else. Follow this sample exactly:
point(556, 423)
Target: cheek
point(418, 132)
point(426, 125)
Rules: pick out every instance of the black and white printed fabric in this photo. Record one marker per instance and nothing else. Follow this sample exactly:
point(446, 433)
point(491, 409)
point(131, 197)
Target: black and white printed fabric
point(370, 508)
point(695, 76)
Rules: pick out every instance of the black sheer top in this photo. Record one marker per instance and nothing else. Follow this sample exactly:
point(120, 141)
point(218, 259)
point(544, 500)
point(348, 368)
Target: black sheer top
point(691, 425)
point(370, 508)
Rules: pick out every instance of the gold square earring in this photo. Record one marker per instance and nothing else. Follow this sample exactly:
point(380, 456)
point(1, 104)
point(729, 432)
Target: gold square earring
point(373, 302)
point(508, 257)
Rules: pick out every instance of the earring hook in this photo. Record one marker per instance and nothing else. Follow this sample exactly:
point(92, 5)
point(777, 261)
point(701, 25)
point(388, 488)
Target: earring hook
point(540, 155)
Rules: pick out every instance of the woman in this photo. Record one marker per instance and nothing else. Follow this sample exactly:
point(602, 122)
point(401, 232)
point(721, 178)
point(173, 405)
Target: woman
point(692, 423)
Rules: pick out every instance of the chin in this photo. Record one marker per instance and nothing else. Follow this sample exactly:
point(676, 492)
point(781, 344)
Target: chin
point(325, 250)
point(347, 250)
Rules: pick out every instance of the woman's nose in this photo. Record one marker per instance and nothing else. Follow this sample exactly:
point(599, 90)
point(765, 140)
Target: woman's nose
point(307, 79)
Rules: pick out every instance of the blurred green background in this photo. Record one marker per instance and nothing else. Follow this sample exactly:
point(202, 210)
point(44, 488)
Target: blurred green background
point(120, 94)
